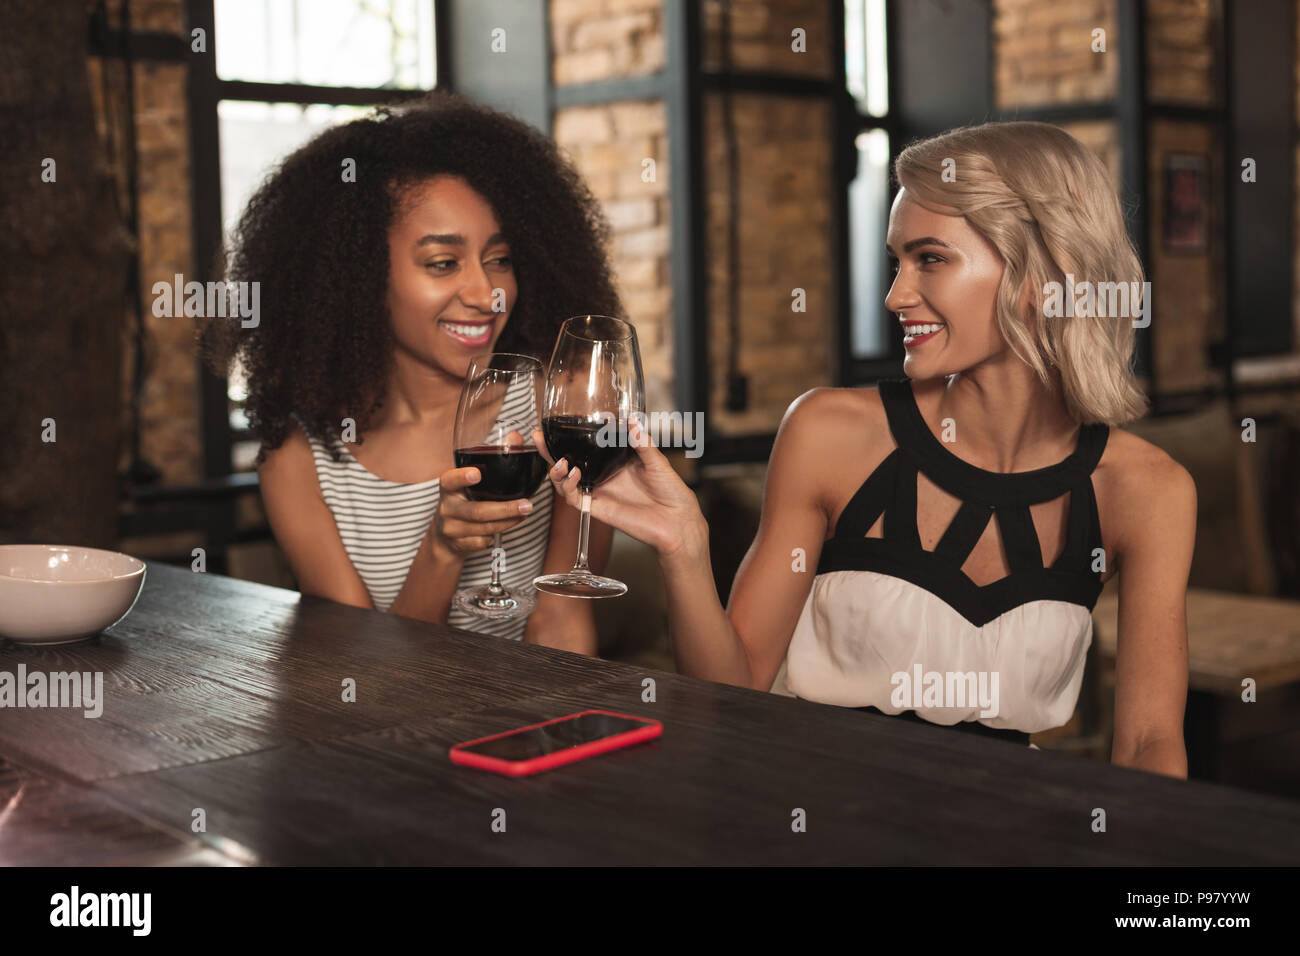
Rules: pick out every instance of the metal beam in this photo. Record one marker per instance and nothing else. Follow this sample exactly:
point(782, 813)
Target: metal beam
point(777, 84)
point(305, 93)
point(1058, 113)
point(650, 87)
point(205, 165)
point(688, 207)
point(1132, 117)
point(145, 45)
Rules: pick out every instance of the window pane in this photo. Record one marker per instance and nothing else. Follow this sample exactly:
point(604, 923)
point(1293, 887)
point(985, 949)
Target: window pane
point(367, 43)
point(864, 55)
point(868, 220)
point(255, 136)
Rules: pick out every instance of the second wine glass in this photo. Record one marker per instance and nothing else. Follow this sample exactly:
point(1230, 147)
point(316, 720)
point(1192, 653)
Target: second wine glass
point(498, 411)
point(593, 389)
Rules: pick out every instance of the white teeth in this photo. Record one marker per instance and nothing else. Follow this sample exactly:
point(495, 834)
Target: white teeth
point(912, 331)
point(469, 331)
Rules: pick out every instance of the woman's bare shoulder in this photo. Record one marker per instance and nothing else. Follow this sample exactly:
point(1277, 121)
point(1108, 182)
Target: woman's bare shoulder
point(829, 439)
point(293, 460)
point(825, 427)
point(1140, 485)
point(837, 413)
point(1133, 464)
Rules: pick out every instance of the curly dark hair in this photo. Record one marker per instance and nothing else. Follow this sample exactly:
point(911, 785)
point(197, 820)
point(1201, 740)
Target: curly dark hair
point(319, 247)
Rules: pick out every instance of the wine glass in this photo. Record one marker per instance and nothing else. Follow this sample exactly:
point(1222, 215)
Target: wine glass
point(593, 389)
point(498, 411)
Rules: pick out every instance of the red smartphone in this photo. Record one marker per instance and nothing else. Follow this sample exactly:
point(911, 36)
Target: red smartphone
point(553, 743)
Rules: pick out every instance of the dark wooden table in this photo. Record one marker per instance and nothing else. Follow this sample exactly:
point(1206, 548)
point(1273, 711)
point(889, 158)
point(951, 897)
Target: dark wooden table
point(226, 697)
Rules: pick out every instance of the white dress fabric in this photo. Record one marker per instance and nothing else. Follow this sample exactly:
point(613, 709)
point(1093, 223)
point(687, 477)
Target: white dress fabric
point(860, 628)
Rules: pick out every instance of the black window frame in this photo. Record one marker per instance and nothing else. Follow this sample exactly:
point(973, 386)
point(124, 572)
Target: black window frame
point(850, 123)
point(204, 94)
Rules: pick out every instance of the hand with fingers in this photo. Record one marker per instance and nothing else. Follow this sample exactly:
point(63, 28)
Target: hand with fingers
point(645, 499)
point(462, 526)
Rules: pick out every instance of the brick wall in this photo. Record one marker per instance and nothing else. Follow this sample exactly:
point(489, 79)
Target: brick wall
point(1180, 51)
point(1187, 298)
point(763, 36)
point(1043, 56)
point(169, 402)
point(609, 144)
point(601, 39)
point(1042, 52)
point(785, 240)
point(1186, 293)
point(1102, 137)
point(784, 244)
point(784, 214)
point(166, 16)
point(170, 407)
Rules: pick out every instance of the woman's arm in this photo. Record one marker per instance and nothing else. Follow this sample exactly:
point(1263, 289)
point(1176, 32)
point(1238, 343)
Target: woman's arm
point(431, 580)
point(775, 576)
point(648, 500)
point(1158, 519)
point(305, 530)
point(563, 622)
point(304, 527)
point(459, 528)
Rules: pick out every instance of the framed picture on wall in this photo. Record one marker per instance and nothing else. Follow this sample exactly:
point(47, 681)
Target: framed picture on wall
point(1187, 203)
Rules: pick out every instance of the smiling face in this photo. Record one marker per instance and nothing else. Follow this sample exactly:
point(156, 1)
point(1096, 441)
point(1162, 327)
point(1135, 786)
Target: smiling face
point(448, 260)
point(945, 291)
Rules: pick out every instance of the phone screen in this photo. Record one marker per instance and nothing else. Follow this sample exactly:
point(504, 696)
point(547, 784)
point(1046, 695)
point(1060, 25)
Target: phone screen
point(561, 735)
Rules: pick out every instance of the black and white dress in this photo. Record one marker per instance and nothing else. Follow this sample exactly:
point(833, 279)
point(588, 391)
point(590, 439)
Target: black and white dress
point(884, 606)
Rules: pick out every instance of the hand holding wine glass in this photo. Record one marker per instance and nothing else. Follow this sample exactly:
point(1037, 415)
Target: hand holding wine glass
point(464, 526)
point(593, 388)
point(499, 405)
point(647, 499)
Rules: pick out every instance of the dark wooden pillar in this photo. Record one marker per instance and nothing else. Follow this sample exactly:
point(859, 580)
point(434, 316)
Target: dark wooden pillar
point(63, 289)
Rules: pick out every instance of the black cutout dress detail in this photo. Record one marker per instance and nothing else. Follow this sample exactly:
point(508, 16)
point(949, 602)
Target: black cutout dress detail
point(884, 607)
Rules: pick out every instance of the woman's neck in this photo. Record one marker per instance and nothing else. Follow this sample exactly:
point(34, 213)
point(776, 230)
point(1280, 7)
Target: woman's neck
point(1006, 418)
point(418, 395)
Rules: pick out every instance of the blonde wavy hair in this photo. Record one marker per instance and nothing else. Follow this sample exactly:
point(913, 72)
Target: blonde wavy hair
point(1046, 202)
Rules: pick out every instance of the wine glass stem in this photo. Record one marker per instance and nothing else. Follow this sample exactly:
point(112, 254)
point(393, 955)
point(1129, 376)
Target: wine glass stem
point(495, 589)
point(584, 528)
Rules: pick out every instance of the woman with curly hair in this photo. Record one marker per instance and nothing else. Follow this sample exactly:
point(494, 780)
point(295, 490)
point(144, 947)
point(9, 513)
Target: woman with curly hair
point(976, 507)
point(389, 251)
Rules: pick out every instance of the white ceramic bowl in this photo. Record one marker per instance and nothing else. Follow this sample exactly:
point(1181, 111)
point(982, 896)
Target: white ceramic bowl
point(55, 594)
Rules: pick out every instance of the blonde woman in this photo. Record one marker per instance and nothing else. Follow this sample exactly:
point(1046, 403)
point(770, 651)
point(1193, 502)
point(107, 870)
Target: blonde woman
point(975, 509)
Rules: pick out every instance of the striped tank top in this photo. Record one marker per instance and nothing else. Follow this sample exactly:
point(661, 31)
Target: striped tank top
point(382, 523)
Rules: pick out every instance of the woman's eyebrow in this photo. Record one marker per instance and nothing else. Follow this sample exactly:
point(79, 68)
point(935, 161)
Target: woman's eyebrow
point(454, 239)
point(915, 243)
point(441, 239)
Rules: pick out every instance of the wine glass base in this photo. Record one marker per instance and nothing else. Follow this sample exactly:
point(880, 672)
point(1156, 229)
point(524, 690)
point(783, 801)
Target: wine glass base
point(579, 584)
point(477, 602)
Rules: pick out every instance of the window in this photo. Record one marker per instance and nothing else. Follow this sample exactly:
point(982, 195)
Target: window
point(866, 74)
point(869, 201)
point(283, 71)
point(362, 43)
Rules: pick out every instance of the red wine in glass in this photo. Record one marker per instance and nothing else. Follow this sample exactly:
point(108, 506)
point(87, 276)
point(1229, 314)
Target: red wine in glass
point(499, 405)
point(508, 471)
point(577, 440)
point(593, 389)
